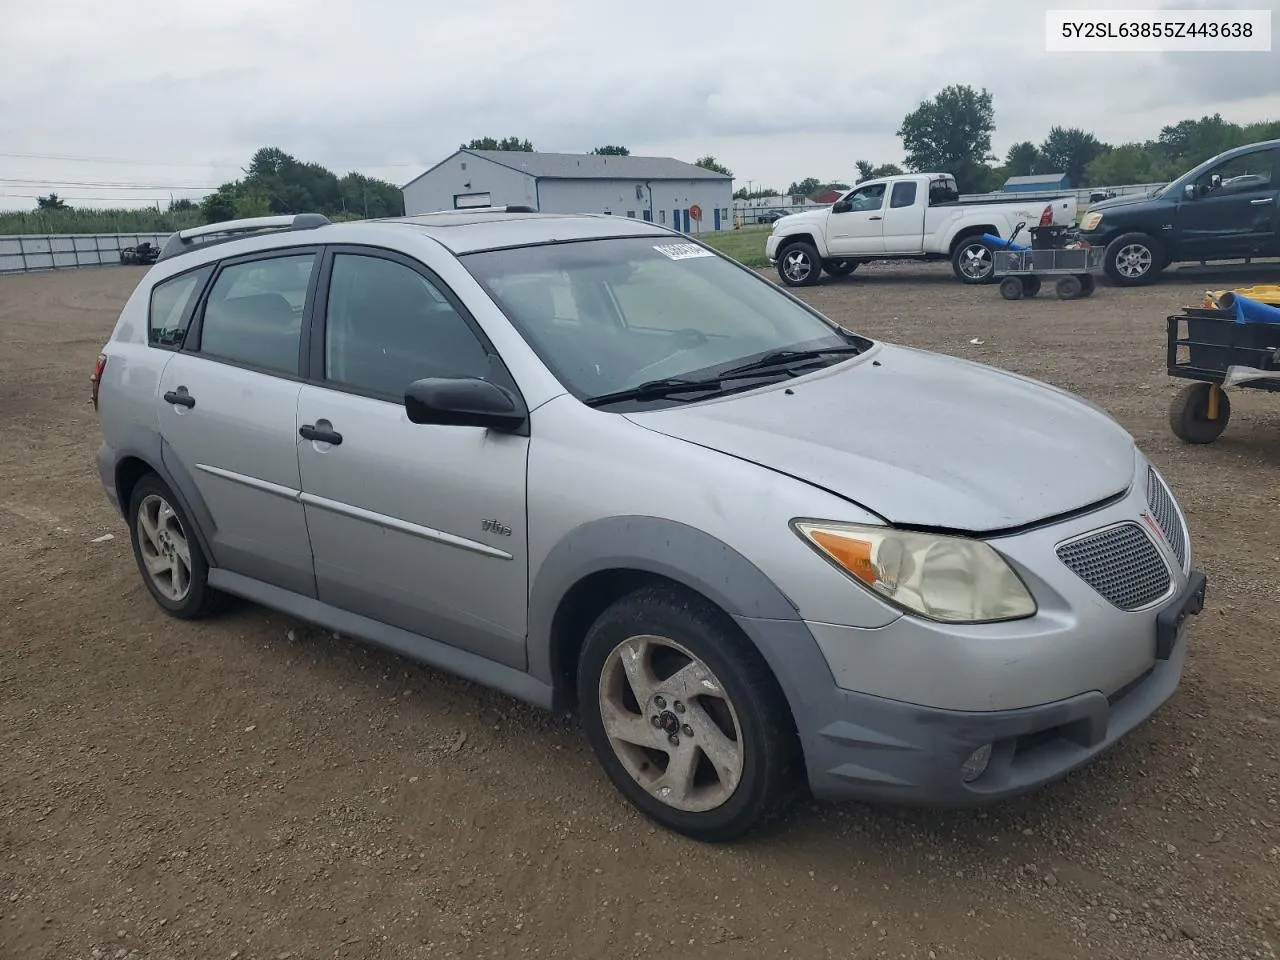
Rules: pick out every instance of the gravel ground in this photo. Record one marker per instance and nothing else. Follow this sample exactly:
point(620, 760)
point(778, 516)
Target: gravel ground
point(254, 788)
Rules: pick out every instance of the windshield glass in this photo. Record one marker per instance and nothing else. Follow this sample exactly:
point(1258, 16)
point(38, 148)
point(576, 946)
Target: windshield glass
point(609, 315)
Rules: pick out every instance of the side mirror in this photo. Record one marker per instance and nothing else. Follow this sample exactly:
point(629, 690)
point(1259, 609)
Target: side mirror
point(841, 206)
point(1189, 191)
point(465, 402)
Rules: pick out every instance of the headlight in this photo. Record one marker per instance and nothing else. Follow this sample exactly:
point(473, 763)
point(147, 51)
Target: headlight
point(1091, 221)
point(950, 579)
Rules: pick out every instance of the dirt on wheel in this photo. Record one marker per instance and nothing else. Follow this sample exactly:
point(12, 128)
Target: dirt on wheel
point(253, 787)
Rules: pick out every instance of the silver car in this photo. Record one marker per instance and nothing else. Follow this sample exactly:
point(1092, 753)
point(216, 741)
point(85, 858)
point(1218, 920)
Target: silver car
point(588, 461)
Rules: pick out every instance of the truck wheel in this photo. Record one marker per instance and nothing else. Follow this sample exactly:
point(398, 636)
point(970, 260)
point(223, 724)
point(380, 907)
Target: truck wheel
point(1134, 259)
point(1068, 288)
point(799, 265)
point(1189, 414)
point(973, 261)
point(1011, 288)
point(685, 716)
point(1030, 286)
point(839, 268)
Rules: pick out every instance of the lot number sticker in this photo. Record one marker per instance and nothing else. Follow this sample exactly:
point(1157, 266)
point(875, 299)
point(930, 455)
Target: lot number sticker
point(682, 251)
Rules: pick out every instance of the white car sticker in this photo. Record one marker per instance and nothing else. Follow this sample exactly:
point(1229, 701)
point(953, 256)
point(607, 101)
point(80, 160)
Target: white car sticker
point(682, 251)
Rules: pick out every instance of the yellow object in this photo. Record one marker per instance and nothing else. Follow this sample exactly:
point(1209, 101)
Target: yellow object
point(1268, 293)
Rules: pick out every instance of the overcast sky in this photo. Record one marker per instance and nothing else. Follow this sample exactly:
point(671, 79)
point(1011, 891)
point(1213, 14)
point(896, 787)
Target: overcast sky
point(174, 96)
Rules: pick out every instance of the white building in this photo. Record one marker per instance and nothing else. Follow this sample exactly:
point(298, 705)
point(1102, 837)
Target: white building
point(666, 191)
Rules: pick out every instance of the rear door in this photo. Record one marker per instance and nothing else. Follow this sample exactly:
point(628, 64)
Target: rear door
point(228, 414)
point(904, 219)
point(856, 223)
point(418, 526)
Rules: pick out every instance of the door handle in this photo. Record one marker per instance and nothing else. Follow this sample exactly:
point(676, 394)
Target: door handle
point(1258, 203)
point(180, 397)
point(310, 431)
point(873, 218)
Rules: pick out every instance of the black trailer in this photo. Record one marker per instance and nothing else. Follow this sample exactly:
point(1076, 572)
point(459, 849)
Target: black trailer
point(1211, 348)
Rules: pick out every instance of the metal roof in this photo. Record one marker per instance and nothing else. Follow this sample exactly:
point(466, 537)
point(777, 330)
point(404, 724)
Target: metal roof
point(1037, 178)
point(587, 166)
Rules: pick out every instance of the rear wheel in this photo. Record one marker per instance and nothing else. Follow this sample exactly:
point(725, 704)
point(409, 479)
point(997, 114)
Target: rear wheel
point(799, 264)
point(1068, 288)
point(1189, 413)
point(168, 555)
point(1030, 286)
point(1011, 288)
point(973, 261)
point(1087, 285)
point(685, 716)
point(1133, 259)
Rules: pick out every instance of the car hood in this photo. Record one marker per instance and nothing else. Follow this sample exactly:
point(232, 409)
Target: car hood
point(921, 440)
point(797, 219)
point(1130, 200)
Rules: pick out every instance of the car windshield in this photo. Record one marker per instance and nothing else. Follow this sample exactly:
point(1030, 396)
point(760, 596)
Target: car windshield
point(609, 315)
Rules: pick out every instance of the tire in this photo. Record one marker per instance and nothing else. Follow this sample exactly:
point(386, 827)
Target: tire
point(799, 264)
point(746, 724)
point(1189, 414)
point(1011, 288)
point(174, 539)
point(1030, 286)
point(973, 260)
point(1068, 288)
point(1133, 259)
point(1087, 284)
point(840, 268)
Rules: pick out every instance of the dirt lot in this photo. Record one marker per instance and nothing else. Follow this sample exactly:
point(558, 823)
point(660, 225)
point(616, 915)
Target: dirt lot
point(254, 788)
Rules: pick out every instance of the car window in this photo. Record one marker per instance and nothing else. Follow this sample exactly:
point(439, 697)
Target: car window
point(867, 198)
point(904, 194)
point(1248, 172)
point(171, 302)
point(607, 315)
point(254, 312)
point(387, 325)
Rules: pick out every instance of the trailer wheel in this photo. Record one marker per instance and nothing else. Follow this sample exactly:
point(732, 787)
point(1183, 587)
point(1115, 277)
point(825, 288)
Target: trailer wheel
point(1068, 288)
point(1189, 413)
point(1030, 286)
point(1011, 288)
point(1087, 284)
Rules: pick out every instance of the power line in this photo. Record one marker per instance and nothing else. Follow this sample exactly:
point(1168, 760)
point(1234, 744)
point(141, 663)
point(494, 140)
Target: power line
point(102, 184)
point(5, 195)
point(187, 163)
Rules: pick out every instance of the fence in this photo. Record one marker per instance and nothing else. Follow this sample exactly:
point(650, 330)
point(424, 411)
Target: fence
point(31, 252)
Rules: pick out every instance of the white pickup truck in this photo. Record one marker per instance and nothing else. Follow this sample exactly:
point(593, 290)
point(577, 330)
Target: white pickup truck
point(918, 215)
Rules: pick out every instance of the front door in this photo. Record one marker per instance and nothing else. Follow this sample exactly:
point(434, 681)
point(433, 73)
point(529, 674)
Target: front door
point(856, 222)
point(417, 526)
point(904, 220)
point(1236, 210)
point(228, 405)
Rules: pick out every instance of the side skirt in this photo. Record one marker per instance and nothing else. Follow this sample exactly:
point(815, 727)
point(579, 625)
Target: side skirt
point(459, 662)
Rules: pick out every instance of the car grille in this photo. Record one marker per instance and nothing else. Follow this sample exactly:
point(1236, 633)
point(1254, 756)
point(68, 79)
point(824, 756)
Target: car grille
point(1121, 563)
point(1160, 500)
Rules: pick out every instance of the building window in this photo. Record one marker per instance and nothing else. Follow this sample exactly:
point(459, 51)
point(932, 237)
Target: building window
point(463, 201)
point(662, 215)
point(631, 214)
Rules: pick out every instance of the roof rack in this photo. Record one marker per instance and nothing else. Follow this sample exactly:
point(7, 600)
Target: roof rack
point(506, 208)
point(184, 241)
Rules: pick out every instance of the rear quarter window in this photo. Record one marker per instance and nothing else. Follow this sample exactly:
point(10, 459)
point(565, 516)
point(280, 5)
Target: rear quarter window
point(172, 304)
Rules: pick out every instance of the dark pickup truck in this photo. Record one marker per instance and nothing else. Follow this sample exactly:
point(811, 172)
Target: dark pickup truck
point(1227, 208)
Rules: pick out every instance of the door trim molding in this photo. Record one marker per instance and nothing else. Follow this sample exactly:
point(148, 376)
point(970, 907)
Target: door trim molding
point(266, 486)
point(403, 526)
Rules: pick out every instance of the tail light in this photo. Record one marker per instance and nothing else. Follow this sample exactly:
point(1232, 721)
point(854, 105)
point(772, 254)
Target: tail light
point(96, 379)
point(1046, 218)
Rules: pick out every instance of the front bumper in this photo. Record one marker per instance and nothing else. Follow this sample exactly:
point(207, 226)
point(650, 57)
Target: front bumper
point(771, 248)
point(876, 749)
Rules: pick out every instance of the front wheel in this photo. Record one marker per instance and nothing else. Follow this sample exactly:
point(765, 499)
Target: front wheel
point(974, 261)
point(685, 716)
point(799, 265)
point(1133, 259)
point(1189, 413)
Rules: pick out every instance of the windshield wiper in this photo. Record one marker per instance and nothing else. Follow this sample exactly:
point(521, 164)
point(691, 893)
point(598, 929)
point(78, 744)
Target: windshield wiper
point(656, 390)
point(789, 358)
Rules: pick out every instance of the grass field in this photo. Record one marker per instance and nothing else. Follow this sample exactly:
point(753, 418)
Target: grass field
point(745, 246)
point(96, 221)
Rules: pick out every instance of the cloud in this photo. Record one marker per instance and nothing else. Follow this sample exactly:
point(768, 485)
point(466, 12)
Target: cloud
point(186, 93)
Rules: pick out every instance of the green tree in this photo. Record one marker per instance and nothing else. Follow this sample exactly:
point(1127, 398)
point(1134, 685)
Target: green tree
point(1022, 160)
point(742, 193)
point(51, 202)
point(220, 205)
point(1070, 150)
point(252, 203)
point(710, 163)
point(802, 188)
point(868, 171)
point(611, 151)
point(1127, 163)
point(951, 133)
point(506, 143)
point(182, 205)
